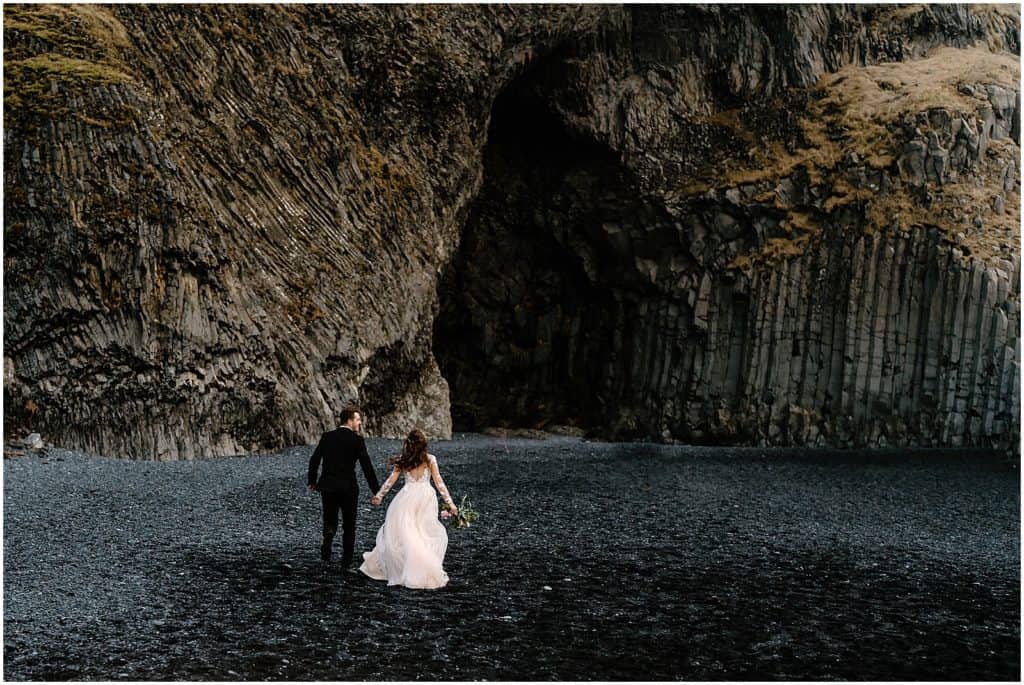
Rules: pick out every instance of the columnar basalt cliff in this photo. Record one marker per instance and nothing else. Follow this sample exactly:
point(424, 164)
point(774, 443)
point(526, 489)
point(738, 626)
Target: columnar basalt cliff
point(767, 225)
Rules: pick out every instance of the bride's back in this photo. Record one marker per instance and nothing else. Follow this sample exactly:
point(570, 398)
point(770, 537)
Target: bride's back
point(419, 472)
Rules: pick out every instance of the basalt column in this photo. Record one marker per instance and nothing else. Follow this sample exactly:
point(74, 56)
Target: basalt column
point(727, 259)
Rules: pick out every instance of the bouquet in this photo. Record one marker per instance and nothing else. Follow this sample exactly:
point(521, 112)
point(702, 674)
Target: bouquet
point(466, 517)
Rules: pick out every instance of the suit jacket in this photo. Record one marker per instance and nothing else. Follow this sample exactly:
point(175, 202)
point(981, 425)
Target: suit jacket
point(339, 450)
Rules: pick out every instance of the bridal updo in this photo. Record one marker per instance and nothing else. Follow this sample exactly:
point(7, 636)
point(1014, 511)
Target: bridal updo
point(414, 451)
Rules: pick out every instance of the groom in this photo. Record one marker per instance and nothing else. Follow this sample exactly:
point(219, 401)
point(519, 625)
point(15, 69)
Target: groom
point(339, 450)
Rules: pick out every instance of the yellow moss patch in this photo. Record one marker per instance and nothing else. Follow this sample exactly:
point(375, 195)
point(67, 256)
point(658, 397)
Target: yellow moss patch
point(865, 99)
point(742, 262)
point(803, 222)
point(963, 199)
point(74, 29)
point(774, 251)
point(78, 46)
point(801, 231)
point(857, 108)
point(27, 82)
point(860, 103)
point(52, 66)
point(386, 172)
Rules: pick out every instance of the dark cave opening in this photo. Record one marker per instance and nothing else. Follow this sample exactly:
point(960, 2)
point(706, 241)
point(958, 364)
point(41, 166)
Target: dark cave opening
point(532, 313)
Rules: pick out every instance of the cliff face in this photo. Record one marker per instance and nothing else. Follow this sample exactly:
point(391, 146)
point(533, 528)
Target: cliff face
point(780, 225)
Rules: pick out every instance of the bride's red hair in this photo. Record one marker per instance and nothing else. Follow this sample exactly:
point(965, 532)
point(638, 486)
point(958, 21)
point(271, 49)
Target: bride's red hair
point(414, 451)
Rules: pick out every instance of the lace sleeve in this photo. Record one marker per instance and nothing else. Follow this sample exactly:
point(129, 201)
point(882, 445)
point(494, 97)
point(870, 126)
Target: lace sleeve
point(435, 473)
point(388, 483)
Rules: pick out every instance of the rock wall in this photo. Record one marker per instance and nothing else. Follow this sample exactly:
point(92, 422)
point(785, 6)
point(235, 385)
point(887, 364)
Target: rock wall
point(642, 269)
point(779, 224)
point(223, 223)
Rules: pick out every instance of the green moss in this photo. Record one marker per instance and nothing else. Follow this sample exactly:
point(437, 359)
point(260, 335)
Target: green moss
point(37, 23)
point(87, 31)
point(35, 30)
point(28, 83)
point(52, 66)
point(73, 46)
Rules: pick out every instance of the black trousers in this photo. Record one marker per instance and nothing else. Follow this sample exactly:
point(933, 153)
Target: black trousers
point(346, 501)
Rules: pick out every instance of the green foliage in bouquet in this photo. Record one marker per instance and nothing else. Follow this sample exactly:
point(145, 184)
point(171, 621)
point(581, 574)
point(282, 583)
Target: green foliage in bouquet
point(466, 517)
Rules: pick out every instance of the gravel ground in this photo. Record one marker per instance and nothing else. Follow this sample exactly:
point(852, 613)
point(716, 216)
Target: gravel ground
point(591, 561)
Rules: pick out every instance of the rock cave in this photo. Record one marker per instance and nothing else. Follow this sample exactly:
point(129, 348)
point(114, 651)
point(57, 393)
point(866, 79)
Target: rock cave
point(540, 325)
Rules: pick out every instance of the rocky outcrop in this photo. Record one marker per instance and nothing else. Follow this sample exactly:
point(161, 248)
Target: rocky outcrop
point(756, 275)
point(782, 311)
point(224, 223)
point(775, 225)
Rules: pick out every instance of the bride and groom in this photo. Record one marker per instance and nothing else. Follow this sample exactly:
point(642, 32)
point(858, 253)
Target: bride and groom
point(411, 545)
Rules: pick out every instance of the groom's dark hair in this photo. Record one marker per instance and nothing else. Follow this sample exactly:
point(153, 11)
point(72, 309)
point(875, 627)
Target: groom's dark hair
point(348, 411)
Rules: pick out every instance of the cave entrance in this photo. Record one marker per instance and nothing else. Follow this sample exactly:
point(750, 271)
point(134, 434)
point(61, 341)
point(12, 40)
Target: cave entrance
point(529, 311)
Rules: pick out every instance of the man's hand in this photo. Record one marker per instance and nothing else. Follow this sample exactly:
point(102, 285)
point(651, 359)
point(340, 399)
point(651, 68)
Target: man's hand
point(375, 500)
point(312, 487)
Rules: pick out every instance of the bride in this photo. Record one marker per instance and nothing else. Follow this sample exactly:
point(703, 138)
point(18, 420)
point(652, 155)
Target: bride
point(412, 542)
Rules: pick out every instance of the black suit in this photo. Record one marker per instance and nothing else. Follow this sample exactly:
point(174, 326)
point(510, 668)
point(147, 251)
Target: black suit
point(339, 450)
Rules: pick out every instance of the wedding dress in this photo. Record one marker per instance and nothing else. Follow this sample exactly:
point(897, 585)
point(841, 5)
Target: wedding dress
point(412, 542)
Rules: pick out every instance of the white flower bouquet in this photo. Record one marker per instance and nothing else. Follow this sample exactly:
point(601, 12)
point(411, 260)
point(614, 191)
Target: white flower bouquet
point(466, 517)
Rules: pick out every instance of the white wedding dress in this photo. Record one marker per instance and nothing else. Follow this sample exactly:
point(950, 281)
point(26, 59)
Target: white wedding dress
point(412, 542)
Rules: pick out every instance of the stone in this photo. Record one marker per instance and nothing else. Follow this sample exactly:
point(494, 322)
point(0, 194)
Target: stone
point(727, 227)
point(939, 118)
point(1009, 176)
point(1006, 111)
point(912, 162)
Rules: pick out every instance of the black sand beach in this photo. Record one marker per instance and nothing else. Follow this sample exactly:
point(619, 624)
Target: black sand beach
point(591, 561)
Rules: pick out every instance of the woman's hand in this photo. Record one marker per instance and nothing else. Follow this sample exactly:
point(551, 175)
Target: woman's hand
point(454, 509)
point(375, 500)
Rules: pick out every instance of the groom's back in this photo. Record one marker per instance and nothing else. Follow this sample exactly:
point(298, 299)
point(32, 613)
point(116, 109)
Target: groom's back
point(339, 451)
